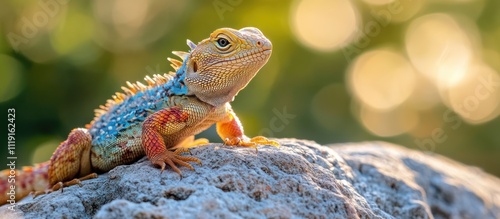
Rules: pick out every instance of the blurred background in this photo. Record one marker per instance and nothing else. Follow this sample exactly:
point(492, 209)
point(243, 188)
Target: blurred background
point(420, 73)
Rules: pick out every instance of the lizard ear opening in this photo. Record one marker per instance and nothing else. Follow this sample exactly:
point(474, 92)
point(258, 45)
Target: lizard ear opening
point(195, 66)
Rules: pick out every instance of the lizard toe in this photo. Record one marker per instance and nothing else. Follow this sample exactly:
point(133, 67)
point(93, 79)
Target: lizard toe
point(263, 140)
point(247, 142)
point(173, 159)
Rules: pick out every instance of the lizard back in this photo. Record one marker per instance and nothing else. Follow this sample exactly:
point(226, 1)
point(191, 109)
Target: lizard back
point(116, 127)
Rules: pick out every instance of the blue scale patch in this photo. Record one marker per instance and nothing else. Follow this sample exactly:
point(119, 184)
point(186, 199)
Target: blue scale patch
point(135, 109)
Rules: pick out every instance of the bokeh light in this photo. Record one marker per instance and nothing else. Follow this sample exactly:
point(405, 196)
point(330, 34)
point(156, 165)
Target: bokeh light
point(324, 25)
point(30, 33)
point(122, 23)
point(476, 98)
point(381, 79)
point(425, 95)
point(393, 11)
point(379, 2)
point(132, 25)
point(439, 48)
point(388, 123)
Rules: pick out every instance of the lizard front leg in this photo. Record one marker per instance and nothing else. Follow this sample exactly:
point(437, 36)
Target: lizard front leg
point(230, 131)
point(163, 123)
point(70, 161)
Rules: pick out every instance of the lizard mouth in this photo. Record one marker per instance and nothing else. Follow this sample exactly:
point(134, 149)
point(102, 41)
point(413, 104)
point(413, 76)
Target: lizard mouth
point(264, 51)
point(267, 51)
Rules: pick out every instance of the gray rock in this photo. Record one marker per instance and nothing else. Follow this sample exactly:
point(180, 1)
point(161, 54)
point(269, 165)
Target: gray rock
point(299, 180)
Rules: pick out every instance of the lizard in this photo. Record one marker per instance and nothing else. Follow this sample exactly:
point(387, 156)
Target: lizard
point(158, 120)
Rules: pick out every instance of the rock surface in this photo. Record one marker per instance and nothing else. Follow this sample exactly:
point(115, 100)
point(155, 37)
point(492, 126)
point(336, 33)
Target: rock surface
point(299, 180)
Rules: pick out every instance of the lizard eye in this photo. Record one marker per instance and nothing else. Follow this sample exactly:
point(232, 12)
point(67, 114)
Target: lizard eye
point(222, 43)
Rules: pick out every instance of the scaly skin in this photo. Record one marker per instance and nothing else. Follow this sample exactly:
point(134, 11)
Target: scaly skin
point(159, 119)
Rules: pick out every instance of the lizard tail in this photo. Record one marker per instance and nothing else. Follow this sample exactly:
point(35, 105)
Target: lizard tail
point(16, 184)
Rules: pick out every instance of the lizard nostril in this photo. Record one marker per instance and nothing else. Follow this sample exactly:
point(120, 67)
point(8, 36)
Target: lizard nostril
point(259, 43)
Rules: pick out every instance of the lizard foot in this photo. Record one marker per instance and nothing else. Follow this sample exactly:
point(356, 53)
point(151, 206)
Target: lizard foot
point(250, 142)
point(61, 185)
point(174, 157)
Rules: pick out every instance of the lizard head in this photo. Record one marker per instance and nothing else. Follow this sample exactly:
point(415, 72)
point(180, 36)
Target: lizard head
point(223, 64)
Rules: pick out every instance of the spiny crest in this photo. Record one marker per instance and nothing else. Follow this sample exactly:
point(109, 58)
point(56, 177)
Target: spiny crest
point(176, 64)
point(132, 88)
point(191, 44)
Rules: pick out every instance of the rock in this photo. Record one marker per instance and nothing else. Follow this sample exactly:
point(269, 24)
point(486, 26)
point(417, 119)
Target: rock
point(299, 180)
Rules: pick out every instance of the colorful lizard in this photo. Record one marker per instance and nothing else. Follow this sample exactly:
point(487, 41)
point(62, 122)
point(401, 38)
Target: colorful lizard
point(159, 119)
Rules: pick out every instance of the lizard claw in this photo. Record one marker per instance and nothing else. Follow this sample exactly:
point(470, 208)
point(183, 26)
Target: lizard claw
point(174, 158)
point(237, 141)
point(179, 151)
